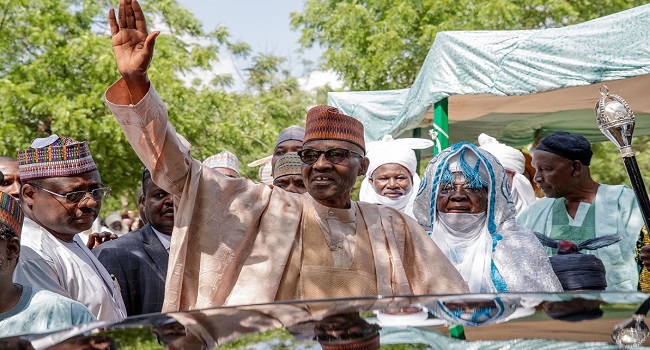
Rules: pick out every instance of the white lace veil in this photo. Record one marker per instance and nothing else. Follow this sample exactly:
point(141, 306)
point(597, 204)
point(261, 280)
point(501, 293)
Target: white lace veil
point(519, 262)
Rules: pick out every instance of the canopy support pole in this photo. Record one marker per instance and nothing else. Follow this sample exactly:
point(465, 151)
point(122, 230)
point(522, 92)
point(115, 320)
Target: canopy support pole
point(417, 133)
point(441, 125)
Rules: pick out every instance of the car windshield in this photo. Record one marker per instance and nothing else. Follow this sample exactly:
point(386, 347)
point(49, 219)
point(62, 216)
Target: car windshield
point(559, 320)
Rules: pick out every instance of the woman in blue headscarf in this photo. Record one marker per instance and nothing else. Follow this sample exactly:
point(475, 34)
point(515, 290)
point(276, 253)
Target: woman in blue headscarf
point(464, 202)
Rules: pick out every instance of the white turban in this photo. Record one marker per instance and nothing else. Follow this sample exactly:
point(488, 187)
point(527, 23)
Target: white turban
point(390, 151)
point(512, 159)
point(112, 218)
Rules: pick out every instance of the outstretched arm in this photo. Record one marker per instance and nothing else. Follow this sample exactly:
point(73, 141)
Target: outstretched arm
point(133, 49)
point(136, 105)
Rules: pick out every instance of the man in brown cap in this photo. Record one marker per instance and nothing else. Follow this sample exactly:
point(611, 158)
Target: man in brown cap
point(61, 196)
point(237, 242)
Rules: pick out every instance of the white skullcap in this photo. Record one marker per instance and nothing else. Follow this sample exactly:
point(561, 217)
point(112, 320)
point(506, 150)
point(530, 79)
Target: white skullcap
point(390, 151)
point(511, 158)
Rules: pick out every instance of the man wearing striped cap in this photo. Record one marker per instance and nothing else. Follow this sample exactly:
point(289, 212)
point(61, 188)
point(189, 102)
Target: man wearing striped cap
point(236, 242)
point(287, 173)
point(62, 194)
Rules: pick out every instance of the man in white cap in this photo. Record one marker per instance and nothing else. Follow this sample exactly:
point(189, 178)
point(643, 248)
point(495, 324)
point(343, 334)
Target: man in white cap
point(513, 161)
point(61, 195)
point(224, 162)
point(391, 178)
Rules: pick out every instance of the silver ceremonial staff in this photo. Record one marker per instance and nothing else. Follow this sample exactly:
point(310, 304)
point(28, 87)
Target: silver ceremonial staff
point(616, 120)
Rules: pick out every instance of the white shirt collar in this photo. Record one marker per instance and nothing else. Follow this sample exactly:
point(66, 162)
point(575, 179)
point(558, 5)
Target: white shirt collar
point(166, 240)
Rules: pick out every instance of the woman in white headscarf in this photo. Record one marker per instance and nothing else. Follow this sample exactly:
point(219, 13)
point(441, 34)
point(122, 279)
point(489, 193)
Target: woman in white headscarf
point(521, 190)
point(464, 201)
point(391, 178)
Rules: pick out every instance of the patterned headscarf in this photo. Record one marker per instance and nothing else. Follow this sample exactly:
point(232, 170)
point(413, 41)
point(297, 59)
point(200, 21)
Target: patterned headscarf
point(496, 254)
point(475, 310)
point(54, 156)
point(500, 207)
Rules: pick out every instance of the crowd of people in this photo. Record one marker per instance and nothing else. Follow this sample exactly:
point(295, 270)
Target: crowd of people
point(209, 237)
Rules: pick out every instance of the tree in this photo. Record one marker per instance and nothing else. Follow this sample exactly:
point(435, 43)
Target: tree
point(378, 44)
point(607, 165)
point(56, 62)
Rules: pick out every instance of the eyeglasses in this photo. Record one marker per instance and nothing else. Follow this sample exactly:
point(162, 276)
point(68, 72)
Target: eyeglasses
point(77, 196)
point(333, 155)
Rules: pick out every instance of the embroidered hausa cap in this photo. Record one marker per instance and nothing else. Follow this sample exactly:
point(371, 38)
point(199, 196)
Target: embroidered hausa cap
point(327, 123)
point(11, 214)
point(288, 164)
point(223, 159)
point(54, 156)
point(294, 132)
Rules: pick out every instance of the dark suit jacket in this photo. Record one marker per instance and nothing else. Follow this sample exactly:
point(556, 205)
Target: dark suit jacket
point(139, 262)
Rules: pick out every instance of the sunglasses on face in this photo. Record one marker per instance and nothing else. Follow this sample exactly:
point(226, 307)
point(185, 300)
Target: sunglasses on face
point(333, 155)
point(75, 197)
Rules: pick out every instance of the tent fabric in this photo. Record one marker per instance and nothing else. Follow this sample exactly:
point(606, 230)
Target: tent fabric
point(513, 63)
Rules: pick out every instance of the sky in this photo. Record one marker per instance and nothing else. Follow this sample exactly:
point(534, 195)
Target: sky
point(265, 25)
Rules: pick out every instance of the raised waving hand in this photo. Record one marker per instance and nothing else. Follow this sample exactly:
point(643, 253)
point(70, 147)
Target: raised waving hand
point(132, 45)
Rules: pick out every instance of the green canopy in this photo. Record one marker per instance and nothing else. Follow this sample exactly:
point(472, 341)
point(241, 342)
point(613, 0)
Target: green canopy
point(517, 85)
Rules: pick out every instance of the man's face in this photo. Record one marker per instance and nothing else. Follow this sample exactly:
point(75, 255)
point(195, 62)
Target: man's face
point(553, 174)
point(291, 183)
point(59, 217)
point(9, 251)
point(283, 148)
point(460, 198)
point(11, 182)
point(391, 180)
point(331, 184)
point(158, 207)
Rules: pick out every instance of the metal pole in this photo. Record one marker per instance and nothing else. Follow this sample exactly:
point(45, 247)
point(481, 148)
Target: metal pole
point(417, 133)
point(441, 125)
